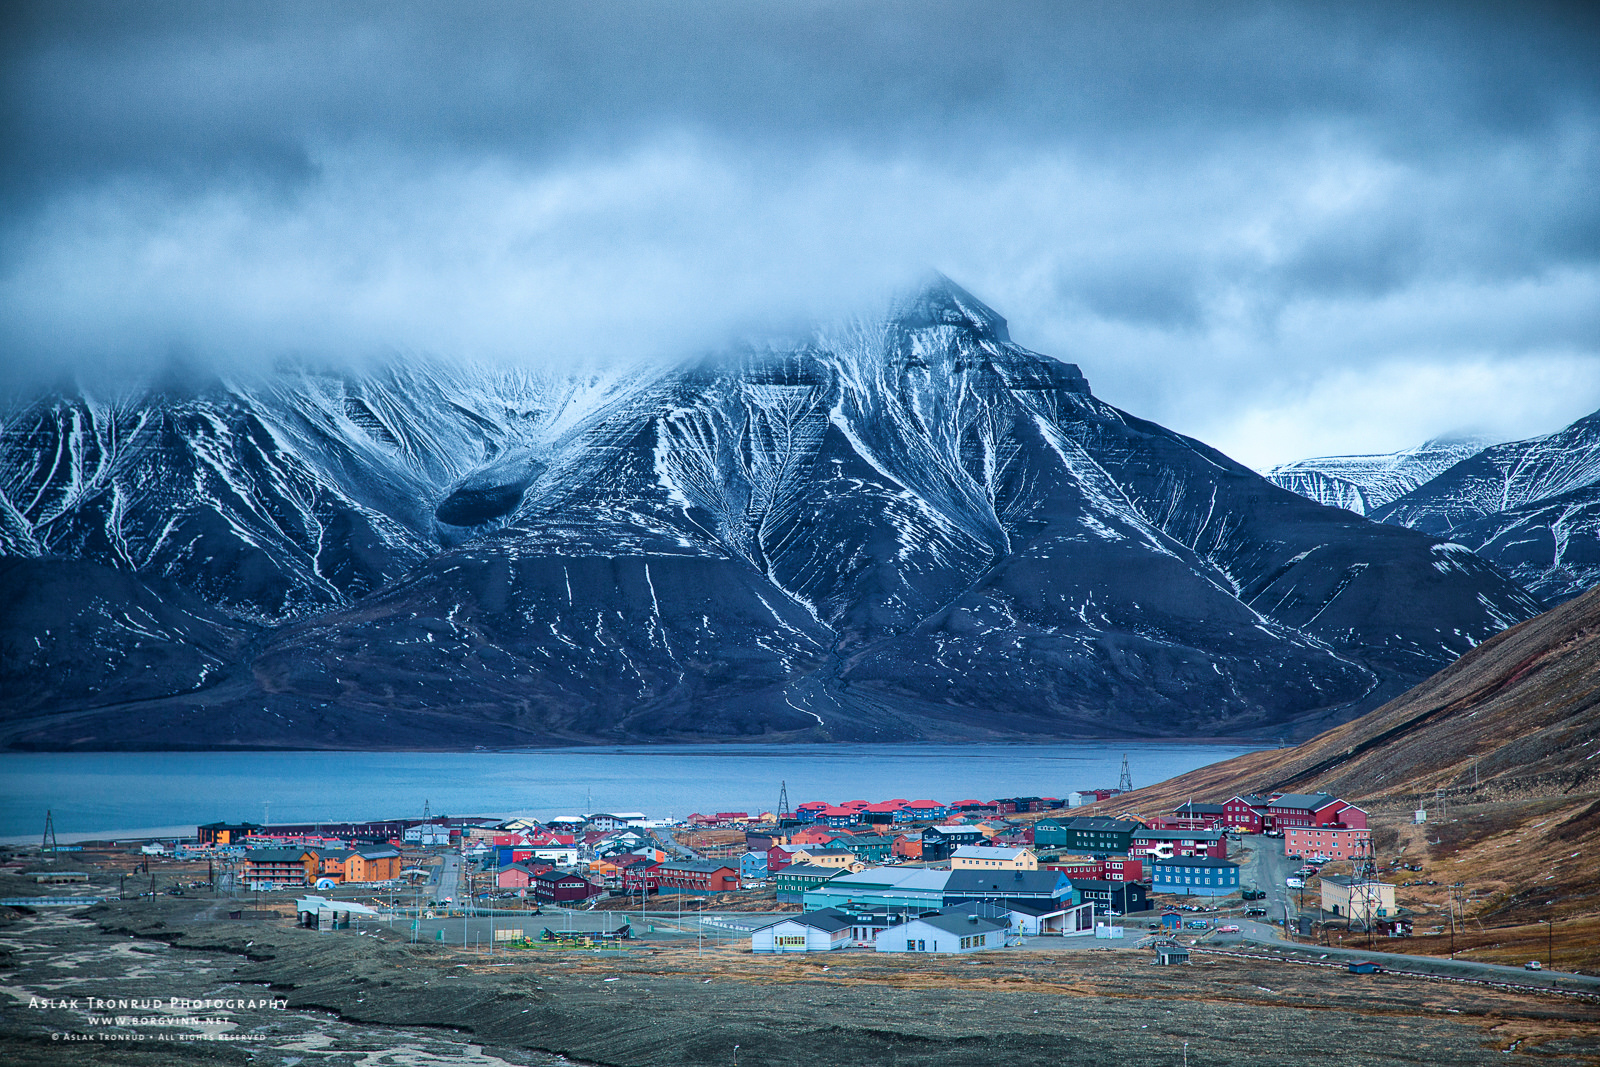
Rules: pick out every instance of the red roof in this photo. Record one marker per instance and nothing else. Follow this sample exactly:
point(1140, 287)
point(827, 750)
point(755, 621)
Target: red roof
point(888, 806)
point(924, 804)
point(857, 804)
point(837, 812)
point(964, 803)
point(812, 805)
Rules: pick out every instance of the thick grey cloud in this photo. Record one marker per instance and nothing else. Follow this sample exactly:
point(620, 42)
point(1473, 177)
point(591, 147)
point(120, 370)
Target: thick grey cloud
point(1284, 228)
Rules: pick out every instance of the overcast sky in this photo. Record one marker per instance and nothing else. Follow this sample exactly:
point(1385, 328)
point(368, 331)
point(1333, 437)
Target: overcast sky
point(1288, 230)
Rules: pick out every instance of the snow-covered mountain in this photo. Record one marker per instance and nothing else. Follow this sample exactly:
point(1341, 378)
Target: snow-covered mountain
point(909, 528)
point(1531, 507)
point(1363, 484)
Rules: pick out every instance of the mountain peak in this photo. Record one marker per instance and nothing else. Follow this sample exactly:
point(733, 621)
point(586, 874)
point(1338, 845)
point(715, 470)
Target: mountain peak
point(938, 301)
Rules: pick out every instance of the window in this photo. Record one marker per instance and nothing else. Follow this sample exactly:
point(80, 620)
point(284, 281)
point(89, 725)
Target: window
point(790, 941)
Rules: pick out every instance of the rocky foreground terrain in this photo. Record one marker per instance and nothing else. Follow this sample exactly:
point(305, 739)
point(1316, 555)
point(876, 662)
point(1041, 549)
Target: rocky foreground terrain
point(381, 1000)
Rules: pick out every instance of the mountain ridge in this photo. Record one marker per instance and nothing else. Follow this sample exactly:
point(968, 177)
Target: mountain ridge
point(900, 529)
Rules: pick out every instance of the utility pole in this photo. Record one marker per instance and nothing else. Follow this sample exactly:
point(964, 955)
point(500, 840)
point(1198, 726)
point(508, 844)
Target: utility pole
point(1550, 943)
point(48, 844)
point(1125, 781)
point(783, 808)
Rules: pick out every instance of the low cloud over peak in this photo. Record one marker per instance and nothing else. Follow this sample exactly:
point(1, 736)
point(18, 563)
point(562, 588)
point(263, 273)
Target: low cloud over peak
point(1287, 230)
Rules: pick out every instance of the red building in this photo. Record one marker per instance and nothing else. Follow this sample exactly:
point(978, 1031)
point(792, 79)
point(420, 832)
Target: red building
point(1304, 809)
point(907, 847)
point(640, 878)
point(1247, 813)
point(1170, 843)
point(561, 887)
point(517, 876)
point(882, 814)
point(1192, 816)
point(702, 877)
point(1101, 869)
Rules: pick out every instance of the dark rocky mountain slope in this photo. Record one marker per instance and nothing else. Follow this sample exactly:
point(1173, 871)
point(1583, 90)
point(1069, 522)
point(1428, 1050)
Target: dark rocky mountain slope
point(1530, 507)
point(903, 529)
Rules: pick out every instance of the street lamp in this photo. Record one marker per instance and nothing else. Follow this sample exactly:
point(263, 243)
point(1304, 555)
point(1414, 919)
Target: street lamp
point(1550, 942)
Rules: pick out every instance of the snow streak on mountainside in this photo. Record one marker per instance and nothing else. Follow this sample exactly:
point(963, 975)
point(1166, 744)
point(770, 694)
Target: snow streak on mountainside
point(1531, 507)
point(1363, 484)
point(901, 529)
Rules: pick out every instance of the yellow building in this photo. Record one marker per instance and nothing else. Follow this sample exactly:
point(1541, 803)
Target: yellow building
point(990, 858)
point(1359, 899)
point(819, 856)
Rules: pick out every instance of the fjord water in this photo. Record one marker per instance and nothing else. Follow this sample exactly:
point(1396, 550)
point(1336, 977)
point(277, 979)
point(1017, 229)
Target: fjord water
point(101, 793)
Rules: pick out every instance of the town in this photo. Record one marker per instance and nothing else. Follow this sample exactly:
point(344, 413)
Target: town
point(902, 875)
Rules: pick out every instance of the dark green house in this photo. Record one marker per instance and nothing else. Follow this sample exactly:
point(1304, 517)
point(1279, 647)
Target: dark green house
point(870, 848)
point(793, 881)
point(1088, 834)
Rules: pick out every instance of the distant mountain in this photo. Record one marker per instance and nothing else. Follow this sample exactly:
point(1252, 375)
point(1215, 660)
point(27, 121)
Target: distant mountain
point(1363, 484)
point(902, 529)
point(1530, 507)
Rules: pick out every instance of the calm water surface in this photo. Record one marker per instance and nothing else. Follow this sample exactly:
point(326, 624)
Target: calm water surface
point(98, 793)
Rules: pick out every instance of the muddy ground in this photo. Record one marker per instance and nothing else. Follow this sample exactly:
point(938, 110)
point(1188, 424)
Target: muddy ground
point(372, 998)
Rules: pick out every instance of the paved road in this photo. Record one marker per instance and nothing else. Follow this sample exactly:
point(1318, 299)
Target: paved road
point(1266, 870)
point(1262, 936)
point(449, 875)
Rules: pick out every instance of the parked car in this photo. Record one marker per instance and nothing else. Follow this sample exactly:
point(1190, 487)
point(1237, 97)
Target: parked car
point(1229, 929)
point(1255, 913)
point(1199, 924)
point(1294, 883)
point(1254, 894)
point(1533, 965)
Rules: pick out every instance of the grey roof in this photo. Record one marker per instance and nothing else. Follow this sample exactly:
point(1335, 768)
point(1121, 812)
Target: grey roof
point(1199, 809)
point(382, 852)
point(1180, 835)
point(828, 852)
point(1097, 884)
point(954, 831)
point(1308, 801)
point(960, 923)
point(1090, 822)
point(264, 855)
point(909, 878)
point(989, 851)
point(810, 869)
point(1005, 883)
point(828, 920)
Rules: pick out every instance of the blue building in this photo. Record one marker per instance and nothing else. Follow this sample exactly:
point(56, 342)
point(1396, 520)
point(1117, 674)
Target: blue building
point(753, 866)
point(1199, 876)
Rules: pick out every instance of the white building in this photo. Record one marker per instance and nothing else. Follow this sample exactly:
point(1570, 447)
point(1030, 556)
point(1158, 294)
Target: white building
point(812, 931)
point(426, 834)
point(561, 857)
point(951, 931)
